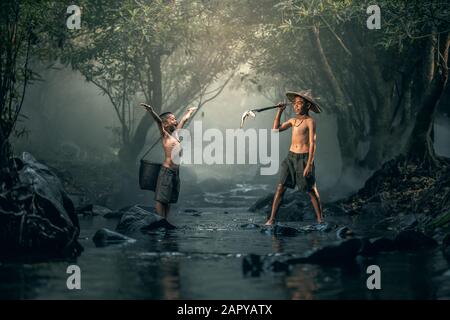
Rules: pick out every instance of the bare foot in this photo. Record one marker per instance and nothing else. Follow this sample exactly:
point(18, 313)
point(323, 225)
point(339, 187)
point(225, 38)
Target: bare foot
point(269, 222)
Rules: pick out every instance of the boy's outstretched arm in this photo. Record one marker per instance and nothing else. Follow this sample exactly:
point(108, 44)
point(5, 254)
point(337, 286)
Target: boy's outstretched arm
point(190, 111)
point(156, 117)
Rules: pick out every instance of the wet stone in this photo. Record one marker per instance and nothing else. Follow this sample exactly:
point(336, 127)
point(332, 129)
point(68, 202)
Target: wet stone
point(105, 237)
point(279, 230)
point(262, 202)
point(93, 210)
point(141, 218)
point(322, 227)
point(113, 215)
point(250, 226)
point(344, 233)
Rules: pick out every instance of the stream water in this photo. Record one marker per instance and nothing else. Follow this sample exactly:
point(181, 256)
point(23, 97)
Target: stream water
point(203, 257)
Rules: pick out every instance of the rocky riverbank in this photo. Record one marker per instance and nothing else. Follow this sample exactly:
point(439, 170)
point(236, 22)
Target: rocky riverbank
point(402, 206)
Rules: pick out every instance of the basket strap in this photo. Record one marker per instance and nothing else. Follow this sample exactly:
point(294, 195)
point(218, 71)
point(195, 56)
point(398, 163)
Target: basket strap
point(150, 149)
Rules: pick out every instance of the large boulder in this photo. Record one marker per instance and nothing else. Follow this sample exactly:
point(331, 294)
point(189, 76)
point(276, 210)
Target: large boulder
point(141, 218)
point(262, 202)
point(37, 217)
point(292, 208)
point(292, 211)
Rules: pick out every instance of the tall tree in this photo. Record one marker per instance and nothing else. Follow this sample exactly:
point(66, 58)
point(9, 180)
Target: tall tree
point(373, 81)
point(420, 144)
point(166, 53)
point(25, 32)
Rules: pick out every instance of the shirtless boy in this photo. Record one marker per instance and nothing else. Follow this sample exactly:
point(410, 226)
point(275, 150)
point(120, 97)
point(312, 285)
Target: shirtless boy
point(168, 184)
point(298, 167)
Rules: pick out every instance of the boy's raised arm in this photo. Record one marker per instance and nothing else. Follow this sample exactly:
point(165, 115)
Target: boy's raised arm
point(156, 117)
point(190, 111)
point(276, 122)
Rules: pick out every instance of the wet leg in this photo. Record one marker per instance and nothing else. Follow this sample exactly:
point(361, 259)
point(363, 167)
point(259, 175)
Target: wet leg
point(160, 208)
point(276, 204)
point(167, 211)
point(315, 200)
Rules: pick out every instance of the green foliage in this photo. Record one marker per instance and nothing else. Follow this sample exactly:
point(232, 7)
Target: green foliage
point(170, 53)
point(26, 32)
point(166, 53)
point(367, 78)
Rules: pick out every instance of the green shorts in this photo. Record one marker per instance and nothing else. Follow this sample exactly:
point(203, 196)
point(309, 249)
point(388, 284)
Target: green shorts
point(168, 185)
point(291, 172)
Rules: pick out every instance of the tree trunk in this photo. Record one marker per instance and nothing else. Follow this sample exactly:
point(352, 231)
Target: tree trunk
point(7, 173)
point(346, 131)
point(420, 147)
point(129, 152)
point(3, 149)
point(379, 128)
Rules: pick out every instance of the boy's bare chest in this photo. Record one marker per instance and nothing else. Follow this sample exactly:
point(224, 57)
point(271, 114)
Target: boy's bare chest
point(170, 142)
point(301, 130)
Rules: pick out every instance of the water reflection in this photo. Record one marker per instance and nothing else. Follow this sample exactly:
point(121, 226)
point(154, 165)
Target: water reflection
point(13, 281)
point(160, 273)
point(308, 282)
point(277, 244)
point(202, 259)
point(302, 283)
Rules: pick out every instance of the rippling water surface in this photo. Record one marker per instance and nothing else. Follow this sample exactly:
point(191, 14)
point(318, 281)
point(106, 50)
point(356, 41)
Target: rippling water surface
point(202, 259)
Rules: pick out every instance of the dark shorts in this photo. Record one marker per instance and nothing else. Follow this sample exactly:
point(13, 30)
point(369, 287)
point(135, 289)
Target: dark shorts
point(168, 185)
point(291, 172)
